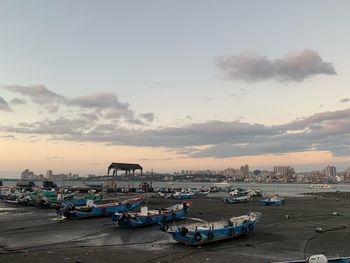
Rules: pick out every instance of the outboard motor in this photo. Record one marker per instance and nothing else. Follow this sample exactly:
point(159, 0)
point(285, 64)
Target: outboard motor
point(317, 259)
point(64, 211)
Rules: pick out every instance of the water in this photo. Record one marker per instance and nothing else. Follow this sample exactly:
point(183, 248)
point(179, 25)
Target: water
point(269, 189)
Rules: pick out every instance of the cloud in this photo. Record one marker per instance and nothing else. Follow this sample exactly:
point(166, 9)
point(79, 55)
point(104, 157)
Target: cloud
point(101, 105)
point(344, 100)
point(240, 93)
point(98, 100)
point(325, 131)
point(18, 101)
point(7, 137)
point(38, 94)
point(4, 106)
point(296, 67)
point(149, 116)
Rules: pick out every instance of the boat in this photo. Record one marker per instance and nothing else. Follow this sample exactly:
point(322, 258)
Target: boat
point(321, 186)
point(319, 259)
point(237, 200)
point(92, 185)
point(198, 234)
point(275, 200)
point(93, 210)
point(222, 185)
point(150, 217)
point(202, 192)
point(180, 195)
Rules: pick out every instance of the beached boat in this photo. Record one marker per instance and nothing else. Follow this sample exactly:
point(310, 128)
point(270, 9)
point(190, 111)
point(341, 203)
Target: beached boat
point(237, 200)
point(321, 186)
point(199, 233)
point(275, 200)
point(92, 210)
point(319, 259)
point(180, 195)
point(202, 192)
point(150, 217)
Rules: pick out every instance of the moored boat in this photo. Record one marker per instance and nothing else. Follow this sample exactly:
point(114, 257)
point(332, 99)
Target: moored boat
point(319, 259)
point(92, 210)
point(275, 200)
point(150, 217)
point(321, 186)
point(180, 195)
point(237, 200)
point(198, 234)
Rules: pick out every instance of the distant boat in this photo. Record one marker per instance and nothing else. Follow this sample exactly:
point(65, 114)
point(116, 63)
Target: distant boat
point(198, 234)
point(96, 186)
point(223, 184)
point(319, 259)
point(150, 217)
point(275, 200)
point(180, 195)
point(202, 192)
point(237, 200)
point(93, 210)
point(321, 186)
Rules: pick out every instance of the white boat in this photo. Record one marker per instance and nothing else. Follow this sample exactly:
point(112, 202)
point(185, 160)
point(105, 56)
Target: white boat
point(224, 184)
point(321, 186)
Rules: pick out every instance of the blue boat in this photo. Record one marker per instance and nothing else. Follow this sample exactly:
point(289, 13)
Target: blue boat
point(320, 259)
point(71, 211)
point(181, 196)
point(276, 200)
point(198, 234)
point(150, 217)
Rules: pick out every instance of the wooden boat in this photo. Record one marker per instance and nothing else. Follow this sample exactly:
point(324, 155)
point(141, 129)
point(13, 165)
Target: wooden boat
point(93, 210)
point(275, 200)
point(202, 192)
point(198, 234)
point(237, 200)
point(320, 259)
point(150, 217)
point(180, 195)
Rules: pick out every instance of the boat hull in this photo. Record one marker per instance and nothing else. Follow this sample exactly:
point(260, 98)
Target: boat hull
point(195, 237)
point(136, 220)
point(100, 210)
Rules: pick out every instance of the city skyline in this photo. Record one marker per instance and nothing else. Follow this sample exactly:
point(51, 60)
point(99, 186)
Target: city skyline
point(173, 86)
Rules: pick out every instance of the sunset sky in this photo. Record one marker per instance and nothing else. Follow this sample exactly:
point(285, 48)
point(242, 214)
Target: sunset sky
point(173, 85)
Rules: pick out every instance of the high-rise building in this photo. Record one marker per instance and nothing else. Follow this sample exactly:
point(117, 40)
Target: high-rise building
point(49, 174)
point(245, 170)
point(283, 170)
point(27, 175)
point(331, 171)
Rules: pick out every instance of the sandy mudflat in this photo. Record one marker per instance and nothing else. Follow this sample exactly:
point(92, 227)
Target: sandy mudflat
point(35, 235)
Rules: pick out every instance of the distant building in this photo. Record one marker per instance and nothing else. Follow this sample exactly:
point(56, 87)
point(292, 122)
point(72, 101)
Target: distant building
point(283, 170)
point(245, 170)
point(27, 175)
point(331, 171)
point(49, 174)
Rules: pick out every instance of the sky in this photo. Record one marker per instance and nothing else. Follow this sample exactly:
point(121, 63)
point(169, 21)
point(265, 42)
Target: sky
point(173, 85)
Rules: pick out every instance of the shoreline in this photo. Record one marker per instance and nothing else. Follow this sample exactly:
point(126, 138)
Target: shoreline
point(40, 237)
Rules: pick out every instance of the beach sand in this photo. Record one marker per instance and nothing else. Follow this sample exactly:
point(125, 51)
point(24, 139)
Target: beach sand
point(36, 235)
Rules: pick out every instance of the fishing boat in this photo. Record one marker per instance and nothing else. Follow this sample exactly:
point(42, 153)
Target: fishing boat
point(93, 210)
point(275, 200)
point(199, 233)
point(202, 192)
point(321, 186)
point(320, 259)
point(150, 217)
point(63, 200)
point(180, 195)
point(237, 200)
